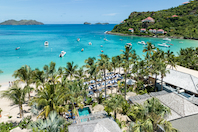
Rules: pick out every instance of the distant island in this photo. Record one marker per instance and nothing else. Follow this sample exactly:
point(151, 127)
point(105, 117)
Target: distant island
point(87, 23)
point(21, 22)
point(101, 23)
point(98, 23)
point(177, 22)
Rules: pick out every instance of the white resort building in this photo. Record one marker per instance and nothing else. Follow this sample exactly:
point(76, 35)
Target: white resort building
point(131, 30)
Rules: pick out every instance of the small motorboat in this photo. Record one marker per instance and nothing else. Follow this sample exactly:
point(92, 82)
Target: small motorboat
point(142, 42)
point(62, 53)
point(78, 39)
point(101, 45)
point(105, 32)
point(90, 43)
point(164, 45)
point(180, 42)
point(166, 39)
point(102, 51)
point(46, 43)
point(17, 48)
point(129, 44)
point(121, 39)
point(82, 49)
point(105, 39)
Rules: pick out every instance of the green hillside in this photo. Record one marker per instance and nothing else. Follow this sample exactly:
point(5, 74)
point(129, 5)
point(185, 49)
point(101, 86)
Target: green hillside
point(185, 25)
point(21, 22)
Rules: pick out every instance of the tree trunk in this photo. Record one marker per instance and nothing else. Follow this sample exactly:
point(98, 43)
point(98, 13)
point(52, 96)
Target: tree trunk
point(155, 82)
point(21, 110)
point(105, 84)
point(29, 95)
point(96, 88)
point(115, 114)
point(161, 83)
point(125, 86)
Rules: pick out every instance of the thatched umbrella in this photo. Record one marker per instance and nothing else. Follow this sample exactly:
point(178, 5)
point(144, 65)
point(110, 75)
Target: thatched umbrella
point(98, 108)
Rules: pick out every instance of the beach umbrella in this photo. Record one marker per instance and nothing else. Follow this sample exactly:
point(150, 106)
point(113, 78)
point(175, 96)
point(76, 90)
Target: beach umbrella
point(90, 87)
point(98, 108)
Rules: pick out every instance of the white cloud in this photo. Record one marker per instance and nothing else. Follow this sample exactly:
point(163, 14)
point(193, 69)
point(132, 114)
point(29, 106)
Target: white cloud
point(110, 14)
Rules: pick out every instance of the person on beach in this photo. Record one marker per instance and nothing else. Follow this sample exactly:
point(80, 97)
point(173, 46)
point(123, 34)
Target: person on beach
point(9, 84)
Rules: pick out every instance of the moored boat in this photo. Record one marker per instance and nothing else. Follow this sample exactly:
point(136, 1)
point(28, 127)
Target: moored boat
point(46, 43)
point(82, 49)
point(62, 53)
point(166, 39)
point(129, 44)
point(105, 39)
point(78, 39)
point(164, 45)
point(17, 48)
point(142, 42)
point(90, 43)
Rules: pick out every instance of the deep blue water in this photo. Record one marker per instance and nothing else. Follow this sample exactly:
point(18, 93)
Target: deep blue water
point(32, 51)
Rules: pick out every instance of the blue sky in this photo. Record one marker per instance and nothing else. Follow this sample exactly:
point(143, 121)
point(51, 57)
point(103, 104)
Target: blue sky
point(79, 11)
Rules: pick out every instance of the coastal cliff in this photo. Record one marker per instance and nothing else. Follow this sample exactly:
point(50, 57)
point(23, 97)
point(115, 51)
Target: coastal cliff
point(177, 22)
point(21, 22)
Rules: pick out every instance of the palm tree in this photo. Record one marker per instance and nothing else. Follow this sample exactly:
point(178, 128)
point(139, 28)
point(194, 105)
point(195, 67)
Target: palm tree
point(39, 77)
point(119, 62)
point(50, 71)
point(149, 115)
point(53, 123)
point(103, 64)
point(70, 69)
point(114, 104)
point(50, 99)
point(149, 49)
point(25, 74)
point(93, 71)
point(129, 56)
point(80, 74)
point(163, 72)
point(75, 96)
point(16, 95)
point(114, 63)
point(170, 58)
point(89, 62)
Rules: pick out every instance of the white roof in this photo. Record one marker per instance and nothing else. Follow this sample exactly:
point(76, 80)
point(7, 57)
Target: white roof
point(182, 80)
point(100, 125)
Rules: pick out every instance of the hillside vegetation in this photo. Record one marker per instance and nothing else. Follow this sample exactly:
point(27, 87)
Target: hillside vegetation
point(21, 22)
point(185, 25)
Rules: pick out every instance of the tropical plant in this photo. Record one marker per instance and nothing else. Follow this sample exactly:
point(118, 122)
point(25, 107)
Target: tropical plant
point(53, 123)
point(6, 127)
point(89, 62)
point(50, 99)
point(129, 57)
point(16, 95)
point(80, 74)
point(149, 115)
point(104, 64)
point(93, 71)
point(114, 104)
point(25, 74)
point(70, 69)
point(119, 62)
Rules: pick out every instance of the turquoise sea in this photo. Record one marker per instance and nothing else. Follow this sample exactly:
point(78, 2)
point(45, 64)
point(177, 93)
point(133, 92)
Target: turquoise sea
point(32, 51)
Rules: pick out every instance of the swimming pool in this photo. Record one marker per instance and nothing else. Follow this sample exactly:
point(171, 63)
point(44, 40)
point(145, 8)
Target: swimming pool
point(84, 112)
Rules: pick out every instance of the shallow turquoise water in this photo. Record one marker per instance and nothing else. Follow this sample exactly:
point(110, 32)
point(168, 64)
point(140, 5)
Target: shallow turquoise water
point(63, 37)
point(84, 112)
